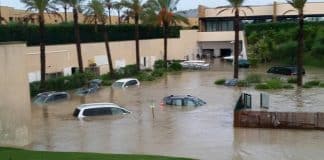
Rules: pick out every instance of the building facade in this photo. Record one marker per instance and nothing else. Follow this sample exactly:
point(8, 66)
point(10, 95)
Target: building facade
point(216, 33)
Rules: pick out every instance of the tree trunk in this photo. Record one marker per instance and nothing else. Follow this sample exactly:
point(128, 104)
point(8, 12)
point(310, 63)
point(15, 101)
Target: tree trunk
point(42, 50)
point(137, 42)
point(109, 14)
point(236, 43)
point(300, 50)
point(65, 14)
point(118, 12)
point(77, 39)
point(106, 37)
point(165, 36)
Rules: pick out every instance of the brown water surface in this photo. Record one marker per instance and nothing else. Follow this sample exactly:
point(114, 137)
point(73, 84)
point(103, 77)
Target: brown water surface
point(204, 132)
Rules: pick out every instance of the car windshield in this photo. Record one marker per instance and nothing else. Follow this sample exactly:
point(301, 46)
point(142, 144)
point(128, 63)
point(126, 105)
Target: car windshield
point(199, 101)
point(118, 84)
point(40, 99)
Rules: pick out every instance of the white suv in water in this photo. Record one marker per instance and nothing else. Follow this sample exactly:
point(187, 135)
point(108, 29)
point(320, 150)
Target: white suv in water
point(99, 109)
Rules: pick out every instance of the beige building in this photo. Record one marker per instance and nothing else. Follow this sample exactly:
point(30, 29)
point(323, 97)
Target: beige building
point(61, 59)
point(11, 14)
point(216, 29)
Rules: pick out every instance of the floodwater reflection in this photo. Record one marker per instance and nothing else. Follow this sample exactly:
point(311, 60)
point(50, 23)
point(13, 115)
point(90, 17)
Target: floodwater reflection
point(204, 132)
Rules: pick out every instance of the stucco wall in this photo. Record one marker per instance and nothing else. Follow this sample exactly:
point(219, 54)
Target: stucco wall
point(267, 10)
point(14, 96)
point(64, 56)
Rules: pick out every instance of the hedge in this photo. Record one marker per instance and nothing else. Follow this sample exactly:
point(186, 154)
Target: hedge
point(64, 33)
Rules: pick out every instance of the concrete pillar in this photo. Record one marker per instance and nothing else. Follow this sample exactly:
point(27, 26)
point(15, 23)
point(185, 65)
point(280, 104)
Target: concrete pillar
point(15, 111)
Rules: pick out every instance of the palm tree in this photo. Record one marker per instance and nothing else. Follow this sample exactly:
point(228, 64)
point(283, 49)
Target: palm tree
point(236, 7)
point(163, 13)
point(65, 5)
point(109, 5)
point(126, 16)
point(41, 6)
point(96, 12)
point(135, 9)
point(118, 7)
point(75, 4)
point(299, 6)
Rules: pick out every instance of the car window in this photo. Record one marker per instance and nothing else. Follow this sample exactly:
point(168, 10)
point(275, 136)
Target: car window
point(189, 102)
point(40, 99)
point(168, 101)
point(116, 111)
point(131, 83)
point(177, 102)
point(60, 96)
point(118, 84)
point(97, 112)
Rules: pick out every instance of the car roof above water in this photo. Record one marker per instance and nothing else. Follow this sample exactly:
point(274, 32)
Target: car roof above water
point(126, 79)
point(96, 105)
point(180, 96)
point(51, 93)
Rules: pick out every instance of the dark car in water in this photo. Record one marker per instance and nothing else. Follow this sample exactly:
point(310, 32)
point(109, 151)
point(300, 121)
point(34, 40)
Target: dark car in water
point(49, 97)
point(285, 70)
point(243, 63)
point(181, 100)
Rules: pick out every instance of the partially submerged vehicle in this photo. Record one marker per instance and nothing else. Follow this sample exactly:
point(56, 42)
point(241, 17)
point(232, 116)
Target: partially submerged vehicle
point(285, 70)
point(183, 100)
point(126, 82)
point(50, 97)
point(93, 86)
point(99, 109)
point(195, 64)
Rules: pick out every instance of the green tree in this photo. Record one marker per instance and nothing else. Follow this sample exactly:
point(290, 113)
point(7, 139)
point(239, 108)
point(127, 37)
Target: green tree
point(299, 6)
point(95, 11)
point(76, 5)
point(118, 7)
point(109, 5)
point(65, 6)
point(41, 6)
point(163, 13)
point(236, 7)
point(135, 9)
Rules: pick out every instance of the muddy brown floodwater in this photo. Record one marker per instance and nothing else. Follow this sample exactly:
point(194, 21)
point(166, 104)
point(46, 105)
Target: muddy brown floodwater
point(204, 132)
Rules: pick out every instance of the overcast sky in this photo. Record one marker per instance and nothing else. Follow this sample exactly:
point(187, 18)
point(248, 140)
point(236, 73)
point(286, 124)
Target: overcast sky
point(183, 5)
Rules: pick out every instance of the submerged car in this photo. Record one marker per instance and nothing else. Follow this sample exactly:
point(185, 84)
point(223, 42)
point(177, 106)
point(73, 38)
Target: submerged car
point(243, 63)
point(49, 97)
point(231, 82)
point(93, 86)
point(99, 109)
point(195, 64)
point(125, 83)
point(285, 70)
point(182, 100)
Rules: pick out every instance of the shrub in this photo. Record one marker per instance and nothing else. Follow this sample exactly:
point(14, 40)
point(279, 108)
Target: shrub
point(220, 82)
point(313, 83)
point(63, 33)
point(292, 80)
point(275, 83)
point(262, 86)
point(145, 76)
point(158, 72)
point(175, 66)
point(253, 78)
point(321, 85)
point(159, 64)
point(107, 82)
point(287, 86)
point(128, 71)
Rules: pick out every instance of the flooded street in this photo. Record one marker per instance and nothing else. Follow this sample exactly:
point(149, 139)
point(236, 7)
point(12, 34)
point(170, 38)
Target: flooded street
point(204, 132)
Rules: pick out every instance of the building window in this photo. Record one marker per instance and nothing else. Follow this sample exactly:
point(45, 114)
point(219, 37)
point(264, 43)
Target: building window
point(10, 19)
point(212, 26)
